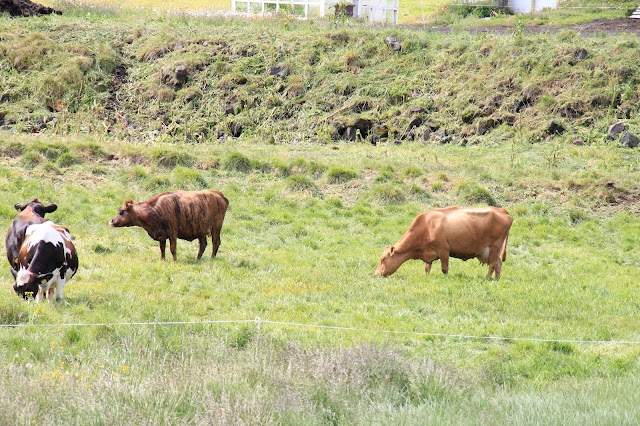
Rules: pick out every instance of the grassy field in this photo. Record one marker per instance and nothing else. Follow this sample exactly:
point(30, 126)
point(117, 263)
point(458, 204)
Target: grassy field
point(89, 119)
point(304, 230)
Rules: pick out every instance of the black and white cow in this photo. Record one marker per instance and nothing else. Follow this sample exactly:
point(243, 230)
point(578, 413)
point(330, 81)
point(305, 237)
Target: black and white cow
point(47, 260)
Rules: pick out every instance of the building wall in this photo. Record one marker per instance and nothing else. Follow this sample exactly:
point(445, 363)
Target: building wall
point(524, 6)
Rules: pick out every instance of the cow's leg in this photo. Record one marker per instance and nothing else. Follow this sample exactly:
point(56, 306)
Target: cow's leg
point(203, 245)
point(495, 263)
point(498, 268)
point(427, 267)
point(163, 246)
point(172, 247)
point(59, 288)
point(491, 269)
point(444, 261)
point(215, 240)
point(41, 294)
point(14, 273)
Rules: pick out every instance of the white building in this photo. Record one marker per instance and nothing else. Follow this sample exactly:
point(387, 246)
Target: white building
point(528, 6)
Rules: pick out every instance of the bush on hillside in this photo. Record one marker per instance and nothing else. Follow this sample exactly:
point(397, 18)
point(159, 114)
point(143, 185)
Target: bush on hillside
point(337, 174)
point(472, 193)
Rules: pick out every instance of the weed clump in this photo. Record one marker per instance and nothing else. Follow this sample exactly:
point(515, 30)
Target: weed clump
point(302, 184)
point(137, 172)
point(51, 151)
point(185, 177)
point(412, 172)
point(67, 159)
point(472, 193)
point(238, 162)
point(388, 194)
point(300, 165)
point(92, 151)
point(159, 182)
point(12, 149)
point(386, 173)
point(242, 338)
point(31, 159)
point(169, 158)
point(281, 168)
point(576, 216)
point(101, 249)
point(419, 193)
point(337, 174)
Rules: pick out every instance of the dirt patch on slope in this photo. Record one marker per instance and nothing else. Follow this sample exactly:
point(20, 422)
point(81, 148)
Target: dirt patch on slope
point(608, 26)
point(25, 8)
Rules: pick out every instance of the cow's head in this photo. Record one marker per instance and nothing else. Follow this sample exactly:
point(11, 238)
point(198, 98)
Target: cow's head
point(388, 263)
point(26, 284)
point(126, 215)
point(37, 207)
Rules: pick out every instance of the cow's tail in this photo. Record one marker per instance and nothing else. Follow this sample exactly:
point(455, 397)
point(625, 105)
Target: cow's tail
point(504, 248)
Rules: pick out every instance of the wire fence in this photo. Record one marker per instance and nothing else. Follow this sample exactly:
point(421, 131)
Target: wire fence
point(260, 322)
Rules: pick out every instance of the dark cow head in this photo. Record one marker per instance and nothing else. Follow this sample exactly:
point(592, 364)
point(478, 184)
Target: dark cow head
point(37, 207)
point(126, 215)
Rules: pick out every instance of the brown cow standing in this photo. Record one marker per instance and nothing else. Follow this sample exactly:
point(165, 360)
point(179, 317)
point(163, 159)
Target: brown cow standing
point(187, 215)
point(463, 233)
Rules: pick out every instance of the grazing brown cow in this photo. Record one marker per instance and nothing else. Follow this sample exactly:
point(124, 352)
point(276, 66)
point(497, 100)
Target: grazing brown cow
point(187, 215)
point(463, 233)
point(31, 213)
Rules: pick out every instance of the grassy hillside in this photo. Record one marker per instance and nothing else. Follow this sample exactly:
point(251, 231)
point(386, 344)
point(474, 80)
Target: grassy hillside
point(120, 77)
point(309, 216)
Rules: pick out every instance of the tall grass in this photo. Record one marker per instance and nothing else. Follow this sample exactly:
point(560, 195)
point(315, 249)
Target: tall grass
point(290, 255)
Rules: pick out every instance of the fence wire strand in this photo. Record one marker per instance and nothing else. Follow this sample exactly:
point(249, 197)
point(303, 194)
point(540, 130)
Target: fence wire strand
point(258, 322)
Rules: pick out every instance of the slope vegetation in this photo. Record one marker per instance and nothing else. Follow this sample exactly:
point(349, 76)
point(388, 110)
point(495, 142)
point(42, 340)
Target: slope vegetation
point(202, 80)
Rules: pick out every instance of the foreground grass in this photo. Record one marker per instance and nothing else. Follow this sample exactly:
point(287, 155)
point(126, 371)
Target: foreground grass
point(304, 230)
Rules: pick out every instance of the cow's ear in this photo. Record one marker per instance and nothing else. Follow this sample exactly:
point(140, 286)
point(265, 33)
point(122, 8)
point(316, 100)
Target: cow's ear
point(128, 204)
point(19, 206)
point(392, 250)
point(50, 208)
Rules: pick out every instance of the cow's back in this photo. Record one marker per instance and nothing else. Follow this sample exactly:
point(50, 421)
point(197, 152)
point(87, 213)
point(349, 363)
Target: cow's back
point(467, 230)
point(190, 213)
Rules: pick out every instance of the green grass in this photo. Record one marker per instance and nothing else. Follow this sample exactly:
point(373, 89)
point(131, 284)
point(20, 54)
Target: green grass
point(308, 218)
point(106, 76)
point(298, 248)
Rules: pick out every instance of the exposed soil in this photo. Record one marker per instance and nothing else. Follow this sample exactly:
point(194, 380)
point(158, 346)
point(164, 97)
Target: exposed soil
point(609, 26)
point(111, 104)
point(621, 25)
point(25, 8)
